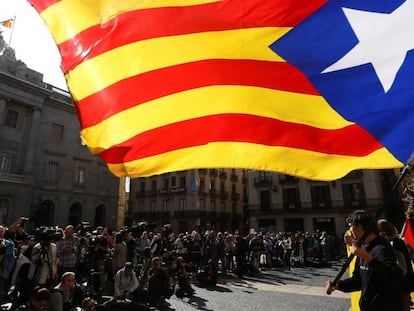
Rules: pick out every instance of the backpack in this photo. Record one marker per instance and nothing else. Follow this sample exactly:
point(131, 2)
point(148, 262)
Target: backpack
point(400, 258)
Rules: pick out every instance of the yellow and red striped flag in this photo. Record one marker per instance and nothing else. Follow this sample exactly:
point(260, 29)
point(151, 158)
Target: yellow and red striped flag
point(168, 85)
point(8, 23)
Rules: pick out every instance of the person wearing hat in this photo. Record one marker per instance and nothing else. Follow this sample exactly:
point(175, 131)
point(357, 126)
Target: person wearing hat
point(126, 282)
point(39, 299)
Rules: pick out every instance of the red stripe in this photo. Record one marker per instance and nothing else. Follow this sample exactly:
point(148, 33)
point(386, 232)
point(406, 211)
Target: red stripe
point(243, 128)
point(409, 232)
point(41, 5)
point(159, 22)
point(155, 84)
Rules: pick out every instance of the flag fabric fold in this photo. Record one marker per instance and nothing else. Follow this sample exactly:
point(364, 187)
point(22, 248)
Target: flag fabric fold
point(408, 233)
point(169, 85)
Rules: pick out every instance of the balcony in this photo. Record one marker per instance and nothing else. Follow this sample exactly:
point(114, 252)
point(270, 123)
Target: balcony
point(168, 191)
point(234, 177)
point(202, 192)
point(224, 195)
point(235, 196)
point(140, 194)
point(202, 171)
point(151, 193)
point(287, 179)
point(12, 178)
point(212, 193)
point(223, 175)
point(263, 181)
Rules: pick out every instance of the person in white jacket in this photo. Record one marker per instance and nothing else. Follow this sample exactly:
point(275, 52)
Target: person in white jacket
point(126, 282)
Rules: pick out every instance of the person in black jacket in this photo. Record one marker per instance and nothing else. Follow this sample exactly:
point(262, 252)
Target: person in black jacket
point(376, 273)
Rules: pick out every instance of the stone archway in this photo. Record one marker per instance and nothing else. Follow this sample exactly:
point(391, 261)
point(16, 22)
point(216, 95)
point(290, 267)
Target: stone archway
point(75, 214)
point(100, 216)
point(44, 214)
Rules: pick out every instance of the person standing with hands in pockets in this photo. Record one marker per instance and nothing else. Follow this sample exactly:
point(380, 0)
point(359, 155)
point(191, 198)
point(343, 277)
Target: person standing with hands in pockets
point(376, 273)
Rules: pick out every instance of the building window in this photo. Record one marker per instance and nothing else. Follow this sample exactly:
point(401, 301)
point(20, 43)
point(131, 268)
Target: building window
point(142, 187)
point(166, 182)
point(321, 197)
point(152, 207)
point(213, 206)
point(6, 160)
point(80, 174)
point(223, 206)
point(181, 206)
point(354, 195)
point(141, 205)
point(11, 118)
point(182, 181)
point(265, 201)
point(202, 206)
point(291, 198)
point(52, 170)
point(166, 206)
point(154, 185)
point(173, 181)
point(57, 133)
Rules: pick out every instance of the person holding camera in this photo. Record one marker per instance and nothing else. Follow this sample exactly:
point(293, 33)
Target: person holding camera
point(44, 255)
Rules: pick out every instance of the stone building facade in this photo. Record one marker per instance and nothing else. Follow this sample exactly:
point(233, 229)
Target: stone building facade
point(45, 171)
point(193, 199)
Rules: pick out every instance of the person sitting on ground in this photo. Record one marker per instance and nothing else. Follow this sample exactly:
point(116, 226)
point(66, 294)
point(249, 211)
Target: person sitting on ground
point(159, 284)
point(66, 295)
point(208, 277)
point(126, 282)
point(145, 268)
point(38, 299)
point(183, 287)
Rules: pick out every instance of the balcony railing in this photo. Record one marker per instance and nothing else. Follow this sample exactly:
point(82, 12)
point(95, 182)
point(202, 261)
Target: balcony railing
point(223, 175)
point(13, 178)
point(173, 190)
point(224, 195)
point(140, 194)
point(235, 196)
point(263, 181)
point(234, 178)
point(213, 172)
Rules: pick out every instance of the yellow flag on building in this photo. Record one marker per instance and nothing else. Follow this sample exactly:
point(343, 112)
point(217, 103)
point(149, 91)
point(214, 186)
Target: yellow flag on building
point(8, 23)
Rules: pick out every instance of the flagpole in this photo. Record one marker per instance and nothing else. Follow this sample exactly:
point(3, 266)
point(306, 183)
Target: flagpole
point(11, 31)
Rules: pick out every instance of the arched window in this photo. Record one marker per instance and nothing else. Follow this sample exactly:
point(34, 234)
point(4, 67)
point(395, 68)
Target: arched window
point(75, 214)
point(44, 214)
point(100, 215)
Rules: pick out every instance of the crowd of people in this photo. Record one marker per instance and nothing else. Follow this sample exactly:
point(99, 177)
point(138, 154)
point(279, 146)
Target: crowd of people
point(82, 266)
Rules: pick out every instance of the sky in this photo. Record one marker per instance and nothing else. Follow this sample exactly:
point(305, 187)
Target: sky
point(32, 41)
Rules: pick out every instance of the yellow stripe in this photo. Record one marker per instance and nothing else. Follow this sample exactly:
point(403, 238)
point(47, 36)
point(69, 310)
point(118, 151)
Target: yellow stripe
point(212, 100)
point(301, 163)
point(140, 57)
point(97, 12)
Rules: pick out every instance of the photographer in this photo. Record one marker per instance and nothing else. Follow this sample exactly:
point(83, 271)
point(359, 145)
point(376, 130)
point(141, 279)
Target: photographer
point(7, 261)
point(44, 255)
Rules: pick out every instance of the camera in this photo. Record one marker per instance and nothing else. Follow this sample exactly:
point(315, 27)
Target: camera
point(24, 219)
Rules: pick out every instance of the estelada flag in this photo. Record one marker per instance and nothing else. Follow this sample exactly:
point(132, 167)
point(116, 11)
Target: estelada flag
point(7, 23)
point(298, 87)
point(408, 233)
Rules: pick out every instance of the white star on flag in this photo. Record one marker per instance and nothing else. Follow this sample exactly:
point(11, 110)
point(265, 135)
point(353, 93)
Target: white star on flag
point(384, 40)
